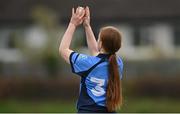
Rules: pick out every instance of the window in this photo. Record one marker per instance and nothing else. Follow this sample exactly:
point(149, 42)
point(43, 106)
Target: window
point(142, 35)
point(7, 38)
point(177, 35)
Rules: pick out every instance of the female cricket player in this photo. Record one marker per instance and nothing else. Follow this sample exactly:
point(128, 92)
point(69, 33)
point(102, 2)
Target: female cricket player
point(101, 73)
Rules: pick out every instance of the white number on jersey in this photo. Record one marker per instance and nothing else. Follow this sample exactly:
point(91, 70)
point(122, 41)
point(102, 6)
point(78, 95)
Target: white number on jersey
point(98, 90)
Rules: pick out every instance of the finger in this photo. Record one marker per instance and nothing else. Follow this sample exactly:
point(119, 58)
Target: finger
point(87, 11)
point(77, 10)
point(72, 11)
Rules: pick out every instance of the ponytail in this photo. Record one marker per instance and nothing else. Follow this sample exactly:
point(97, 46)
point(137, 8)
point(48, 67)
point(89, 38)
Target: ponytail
point(114, 88)
point(110, 38)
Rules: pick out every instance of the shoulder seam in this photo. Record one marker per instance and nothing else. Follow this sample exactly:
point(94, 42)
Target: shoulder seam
point(76, 58)
point(70, 57)
point(85, 73)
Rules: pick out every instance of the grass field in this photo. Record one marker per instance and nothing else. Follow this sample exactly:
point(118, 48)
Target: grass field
point(130, 105)
point(151, 105)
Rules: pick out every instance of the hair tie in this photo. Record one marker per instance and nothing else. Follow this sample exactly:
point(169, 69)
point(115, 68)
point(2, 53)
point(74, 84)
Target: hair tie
point(112, 53)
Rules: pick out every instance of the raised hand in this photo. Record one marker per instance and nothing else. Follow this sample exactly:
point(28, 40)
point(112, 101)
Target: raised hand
point(78, 16)
point(76, 19)
point(87, 17)
point(91, 40)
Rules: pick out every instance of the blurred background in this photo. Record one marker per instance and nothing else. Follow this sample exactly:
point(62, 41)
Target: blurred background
point(34, 78)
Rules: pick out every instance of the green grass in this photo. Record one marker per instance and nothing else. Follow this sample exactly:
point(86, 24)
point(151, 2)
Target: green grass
point(130, 105)
point(151, 105)
point(36, 106)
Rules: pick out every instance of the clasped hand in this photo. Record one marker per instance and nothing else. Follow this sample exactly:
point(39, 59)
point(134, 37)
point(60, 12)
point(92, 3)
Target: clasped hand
point(80, 16)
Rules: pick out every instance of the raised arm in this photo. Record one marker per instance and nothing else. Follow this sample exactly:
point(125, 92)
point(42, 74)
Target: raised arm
point(91, 40)
point(64, 48)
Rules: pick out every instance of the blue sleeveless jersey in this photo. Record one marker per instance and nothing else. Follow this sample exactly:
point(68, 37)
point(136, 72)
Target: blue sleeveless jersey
point(94, 79)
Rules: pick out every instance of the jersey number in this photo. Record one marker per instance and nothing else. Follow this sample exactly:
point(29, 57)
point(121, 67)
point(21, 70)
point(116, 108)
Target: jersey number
point(98, 90)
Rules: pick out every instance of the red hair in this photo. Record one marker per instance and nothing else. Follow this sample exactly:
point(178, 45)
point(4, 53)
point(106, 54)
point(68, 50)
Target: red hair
point(111, 43)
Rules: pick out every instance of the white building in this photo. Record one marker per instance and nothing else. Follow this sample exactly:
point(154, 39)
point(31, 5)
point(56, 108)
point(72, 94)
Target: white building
point(150, 29)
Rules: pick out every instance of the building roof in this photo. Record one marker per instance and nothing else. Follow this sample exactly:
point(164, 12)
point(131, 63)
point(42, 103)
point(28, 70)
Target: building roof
point(19, 10)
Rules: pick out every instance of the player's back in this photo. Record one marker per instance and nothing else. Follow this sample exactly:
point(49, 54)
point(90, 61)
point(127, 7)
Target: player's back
point(97, 80)
point(94, 79)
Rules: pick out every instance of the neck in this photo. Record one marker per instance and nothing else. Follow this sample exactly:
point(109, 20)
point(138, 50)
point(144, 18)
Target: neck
point(103, 51)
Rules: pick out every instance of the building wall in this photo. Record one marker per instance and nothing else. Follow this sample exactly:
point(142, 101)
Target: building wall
point(140, 41)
